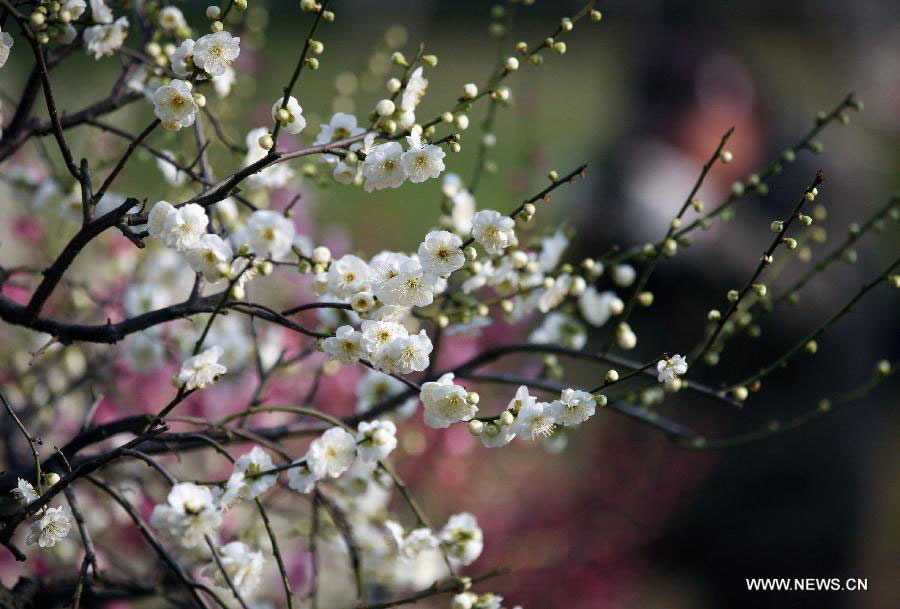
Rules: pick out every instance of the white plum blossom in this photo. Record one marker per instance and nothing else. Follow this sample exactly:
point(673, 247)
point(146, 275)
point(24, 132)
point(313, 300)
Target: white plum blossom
point(300, 477)
point(464, 600)
point(554, 295)
point(166, 165)
point(379, 334)
point(348, 275)
point(483, 271)
point(332, 453)
point(156, 219)
point(222, 84)
point(671, 368)
point(243, 566)
point(415, 90)
point(462, 538)
point(446, 403)
point(382, 167)
point(560, 329)
point(535, 420)
point(383, 267)
point(210, 256)
point(251, 464)
point(410, 287)
point(340, 127)
point(101, 13)
point(375, 440)
point(104, 40)
point(268, 233)
point(597, 307)
point(408, 546)
point(184, 227)
point(182, 59)
point(214, 53)
point(552, 249)
point(422, 161)
point(503, 436)
point(375, 387)
point(201, 370)
point(344, 173)
point(190, 515)
point(175, 106)
point(76, 8)
point(346, 345)
point(493, 230)
point(24, 492)
point(275, 175)
point(573, 407)
point(295, 122)
point(463, 203)
point(51, 527)
point(6, 44)
point(234, 492)
point(171, 19)
point(441, 253)
point(404, 355)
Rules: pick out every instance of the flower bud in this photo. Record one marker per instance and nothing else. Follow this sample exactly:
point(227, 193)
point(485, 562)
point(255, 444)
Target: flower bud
point(431, 60)
point(470, 90)
point(385, 107)
point(472, 397)
point(612, 376)
point(777, 226)
point(725, 156)
point(321, 255)
point(476, 427)
point(511, 64)
point(507, 418)
point(266, 142)
point(217, 26)
point(213, 12)
point(596, 15)
point(811, 347)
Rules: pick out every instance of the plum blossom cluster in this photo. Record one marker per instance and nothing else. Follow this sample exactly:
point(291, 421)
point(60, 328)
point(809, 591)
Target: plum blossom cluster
point(384, 313)
point(193, 514)
point(50, 524)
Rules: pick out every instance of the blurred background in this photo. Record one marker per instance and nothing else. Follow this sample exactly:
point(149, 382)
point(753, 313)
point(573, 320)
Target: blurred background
point(622, 518)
